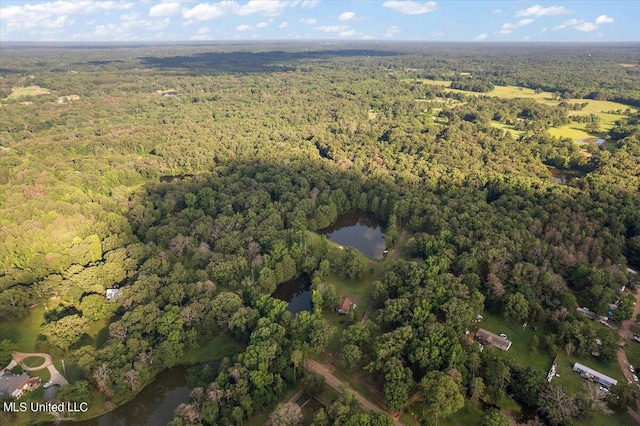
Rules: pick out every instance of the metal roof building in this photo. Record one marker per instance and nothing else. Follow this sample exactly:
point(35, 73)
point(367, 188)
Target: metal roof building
point(594, 375)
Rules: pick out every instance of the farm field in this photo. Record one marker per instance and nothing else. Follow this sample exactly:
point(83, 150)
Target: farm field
point(602, 109)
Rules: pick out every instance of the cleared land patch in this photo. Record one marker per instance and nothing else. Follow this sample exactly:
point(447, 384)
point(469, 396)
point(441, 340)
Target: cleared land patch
point(604, 110)
point(18, 92)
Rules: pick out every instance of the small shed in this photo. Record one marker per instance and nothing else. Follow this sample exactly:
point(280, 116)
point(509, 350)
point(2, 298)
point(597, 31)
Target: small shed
point(345, 307)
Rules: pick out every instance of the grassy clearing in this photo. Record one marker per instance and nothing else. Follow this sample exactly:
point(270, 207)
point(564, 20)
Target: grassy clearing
point(572, 130)
point(513, 130)
point(24, 332)
point(572, 380)
point(18, 92)
point(520, 351)
point(632, 349)
point(217, 348)
point(620, 418)
point(33, 361)
point(467, 416)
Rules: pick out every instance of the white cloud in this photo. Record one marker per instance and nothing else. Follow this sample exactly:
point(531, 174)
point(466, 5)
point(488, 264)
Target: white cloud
point(283, 25)
point(165, 9)
point(508, 27)
point(538, 11)
point(333, 28)
point(206, 11)
point(603, 19)
point(346, 16)
point(586, 27)
point(410, 7)
point(392, 30)
point(309, 21)
point(243, 27)
point(348, 33)
point(481, 37)
point(544, 30)
point(263, 7)
point(53, 14)
point(261, 24)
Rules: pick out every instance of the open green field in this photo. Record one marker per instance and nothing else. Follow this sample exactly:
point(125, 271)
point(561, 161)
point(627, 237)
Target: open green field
point(632, 349)
point(513, 130)
point(18, 92)
point(217, 348)
point(467, 415)
point(24, 332)
point(572, 380)
point(572, 130)
point(520, 351)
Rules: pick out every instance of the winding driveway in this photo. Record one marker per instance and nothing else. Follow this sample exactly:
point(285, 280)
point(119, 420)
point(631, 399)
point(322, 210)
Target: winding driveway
point(56, 377)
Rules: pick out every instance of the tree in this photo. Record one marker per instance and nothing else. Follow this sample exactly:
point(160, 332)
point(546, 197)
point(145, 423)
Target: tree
point(592, 401)
point(516, 307)
point(312, 383)
point(66, 331)
point(476, 389)
point(6, 348)
point(625, 309)
point(288, 414)
point(350, 264)
point(494, 417)
point(440, 394)
point(398, 383)
point(350, 356)
point(556, 404)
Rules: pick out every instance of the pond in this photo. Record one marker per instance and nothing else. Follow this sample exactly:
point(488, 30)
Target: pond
point(154, 405)
point(297, 293)
point(361, 231)
point(559, 175)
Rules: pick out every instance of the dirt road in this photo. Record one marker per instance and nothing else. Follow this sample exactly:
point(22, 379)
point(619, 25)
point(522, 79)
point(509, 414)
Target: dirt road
point(623, 362)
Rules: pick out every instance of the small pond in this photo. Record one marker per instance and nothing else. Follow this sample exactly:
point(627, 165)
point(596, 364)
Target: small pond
point(559, 175)
point(297, 293)
point(154, 405)
point(361, 231)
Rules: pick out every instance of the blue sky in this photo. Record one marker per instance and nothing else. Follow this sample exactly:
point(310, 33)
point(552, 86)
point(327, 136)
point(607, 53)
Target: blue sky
point(175, 20)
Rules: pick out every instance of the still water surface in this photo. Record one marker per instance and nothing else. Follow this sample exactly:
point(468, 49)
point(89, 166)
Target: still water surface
point(153, 406)
point(359, 230)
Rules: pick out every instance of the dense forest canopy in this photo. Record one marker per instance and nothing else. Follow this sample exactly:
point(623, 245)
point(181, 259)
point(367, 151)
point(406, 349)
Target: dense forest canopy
point(194, 178)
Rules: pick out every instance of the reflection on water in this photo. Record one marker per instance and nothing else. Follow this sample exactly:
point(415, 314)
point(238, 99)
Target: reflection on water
point(358, 230)
point(560, 176)
point(297, 293)
point(154, 405)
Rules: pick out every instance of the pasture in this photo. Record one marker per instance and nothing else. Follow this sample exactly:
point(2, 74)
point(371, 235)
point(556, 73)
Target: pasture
point(606, 111)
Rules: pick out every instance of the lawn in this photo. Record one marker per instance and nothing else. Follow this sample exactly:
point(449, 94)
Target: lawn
point(215, 349)
point(467, 415)
point(572, 130)
point(572, 380)
point(24, 332)
point(621, 418)
point(18, 92)
point(632, 349)
point(520, 351)
point(33, 361)
point(499, 125)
